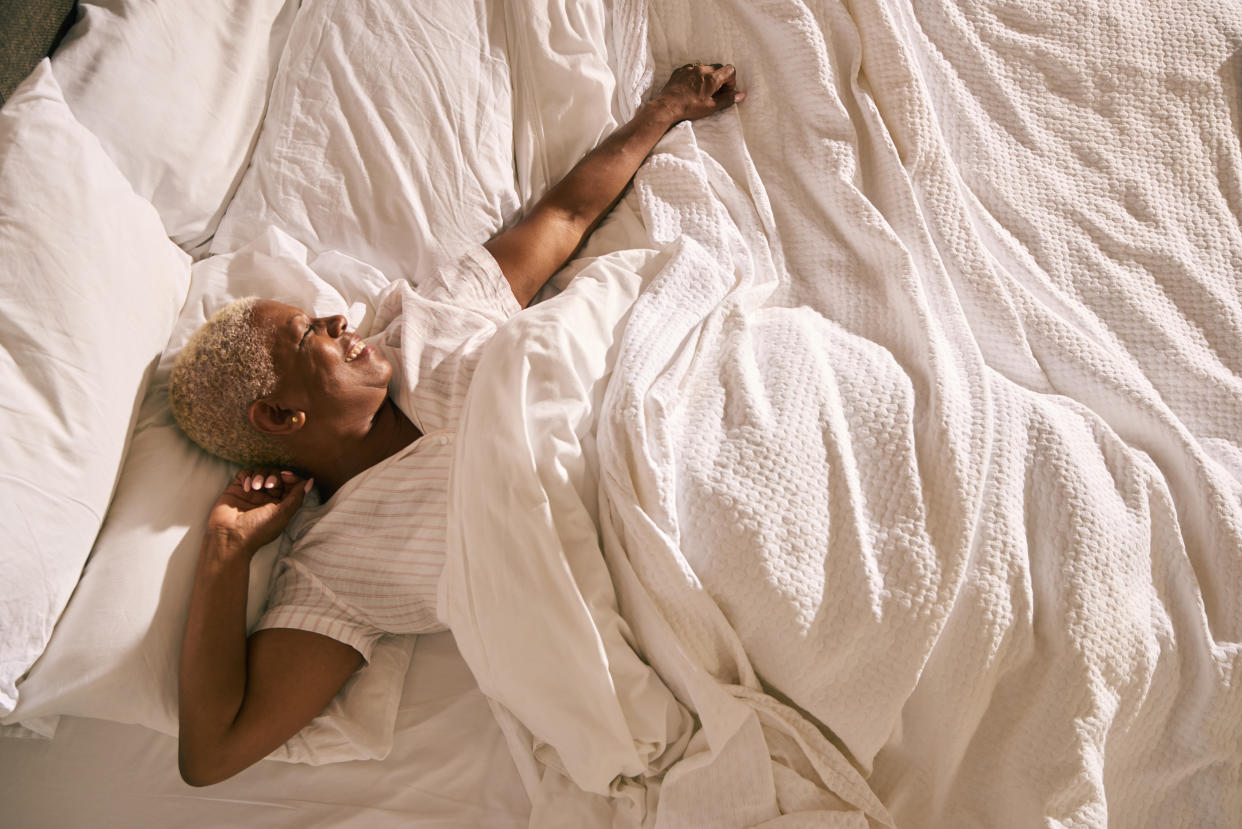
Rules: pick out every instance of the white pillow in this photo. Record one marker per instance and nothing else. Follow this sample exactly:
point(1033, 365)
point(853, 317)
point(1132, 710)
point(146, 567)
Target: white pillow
point(175, 90)
point(388, 136)
point(115, 653)
point(89, 290)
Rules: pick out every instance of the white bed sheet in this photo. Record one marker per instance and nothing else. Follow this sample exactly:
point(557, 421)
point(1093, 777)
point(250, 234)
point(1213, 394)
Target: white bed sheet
point(449, 768)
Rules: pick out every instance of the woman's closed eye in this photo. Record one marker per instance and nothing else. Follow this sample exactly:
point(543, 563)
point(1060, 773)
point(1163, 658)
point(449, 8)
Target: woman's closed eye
point(321, 323)
point(310, 326)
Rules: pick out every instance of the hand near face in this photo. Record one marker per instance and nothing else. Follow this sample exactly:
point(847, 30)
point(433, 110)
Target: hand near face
point(699, 89)
point(256, 506)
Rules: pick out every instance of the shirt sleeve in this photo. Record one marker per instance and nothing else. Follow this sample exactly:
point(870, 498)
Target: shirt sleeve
point(299, 600)
point(433, 337)
point(474, 281)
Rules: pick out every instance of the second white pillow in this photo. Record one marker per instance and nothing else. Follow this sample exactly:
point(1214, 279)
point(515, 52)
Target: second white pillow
point(389, 135)
point(175, 90)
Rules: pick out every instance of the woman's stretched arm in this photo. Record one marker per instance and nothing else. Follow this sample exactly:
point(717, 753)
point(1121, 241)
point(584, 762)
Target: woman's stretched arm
point(239, 699)
point(537, 247)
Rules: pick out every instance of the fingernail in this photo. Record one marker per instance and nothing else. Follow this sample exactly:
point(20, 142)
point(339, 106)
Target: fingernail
point(286, 475)
point(739, 97)
point(246, 484)
point(310, 482)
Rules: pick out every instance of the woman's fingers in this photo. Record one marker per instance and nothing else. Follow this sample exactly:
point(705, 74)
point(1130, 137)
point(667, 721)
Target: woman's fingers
point(271, 482)
point(726, 94)
point(721, 80)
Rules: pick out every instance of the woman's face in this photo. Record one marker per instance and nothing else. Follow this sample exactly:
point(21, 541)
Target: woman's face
point(323, 370)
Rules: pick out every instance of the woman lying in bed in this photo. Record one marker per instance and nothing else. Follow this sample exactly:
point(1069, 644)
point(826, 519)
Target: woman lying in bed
point(265, 385)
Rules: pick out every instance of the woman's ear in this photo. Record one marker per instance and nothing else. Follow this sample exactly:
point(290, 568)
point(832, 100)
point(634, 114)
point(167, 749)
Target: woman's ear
point(271, 418)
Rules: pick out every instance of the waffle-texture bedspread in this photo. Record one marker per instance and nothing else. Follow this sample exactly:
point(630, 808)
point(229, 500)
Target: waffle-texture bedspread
point(919, 454)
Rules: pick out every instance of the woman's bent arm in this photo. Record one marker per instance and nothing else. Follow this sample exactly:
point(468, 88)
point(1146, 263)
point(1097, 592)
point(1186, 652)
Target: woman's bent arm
point(239, 699)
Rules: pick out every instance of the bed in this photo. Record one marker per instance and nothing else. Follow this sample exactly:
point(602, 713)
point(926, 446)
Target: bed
point(878, 462)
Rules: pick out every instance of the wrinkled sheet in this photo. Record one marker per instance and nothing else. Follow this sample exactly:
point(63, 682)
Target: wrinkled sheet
point(918, 457)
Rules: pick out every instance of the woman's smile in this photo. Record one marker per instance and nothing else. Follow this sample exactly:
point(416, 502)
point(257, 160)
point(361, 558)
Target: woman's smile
point(357, 349)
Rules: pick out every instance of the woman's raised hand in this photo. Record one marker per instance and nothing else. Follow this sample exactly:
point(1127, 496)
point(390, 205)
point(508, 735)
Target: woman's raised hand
point(700, 89)
point(256, 506)
point(556, 226)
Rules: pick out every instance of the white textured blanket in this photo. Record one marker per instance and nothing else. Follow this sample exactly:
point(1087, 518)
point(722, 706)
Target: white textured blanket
point(920, 459)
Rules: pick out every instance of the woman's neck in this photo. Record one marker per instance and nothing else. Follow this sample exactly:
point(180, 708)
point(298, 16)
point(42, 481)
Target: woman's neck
point(390, 432)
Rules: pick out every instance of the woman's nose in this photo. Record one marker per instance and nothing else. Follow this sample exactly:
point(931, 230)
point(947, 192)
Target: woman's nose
point(335, 325)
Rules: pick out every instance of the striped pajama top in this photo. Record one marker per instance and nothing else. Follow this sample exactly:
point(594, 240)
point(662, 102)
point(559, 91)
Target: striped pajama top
point(367, 561)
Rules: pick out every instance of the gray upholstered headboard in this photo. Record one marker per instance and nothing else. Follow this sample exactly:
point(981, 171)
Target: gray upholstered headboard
point(29, 31)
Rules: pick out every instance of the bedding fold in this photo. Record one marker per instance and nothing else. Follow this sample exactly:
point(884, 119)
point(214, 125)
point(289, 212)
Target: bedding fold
point(917, 453)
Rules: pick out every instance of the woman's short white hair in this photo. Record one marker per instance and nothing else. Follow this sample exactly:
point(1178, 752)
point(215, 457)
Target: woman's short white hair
point(225, 367)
